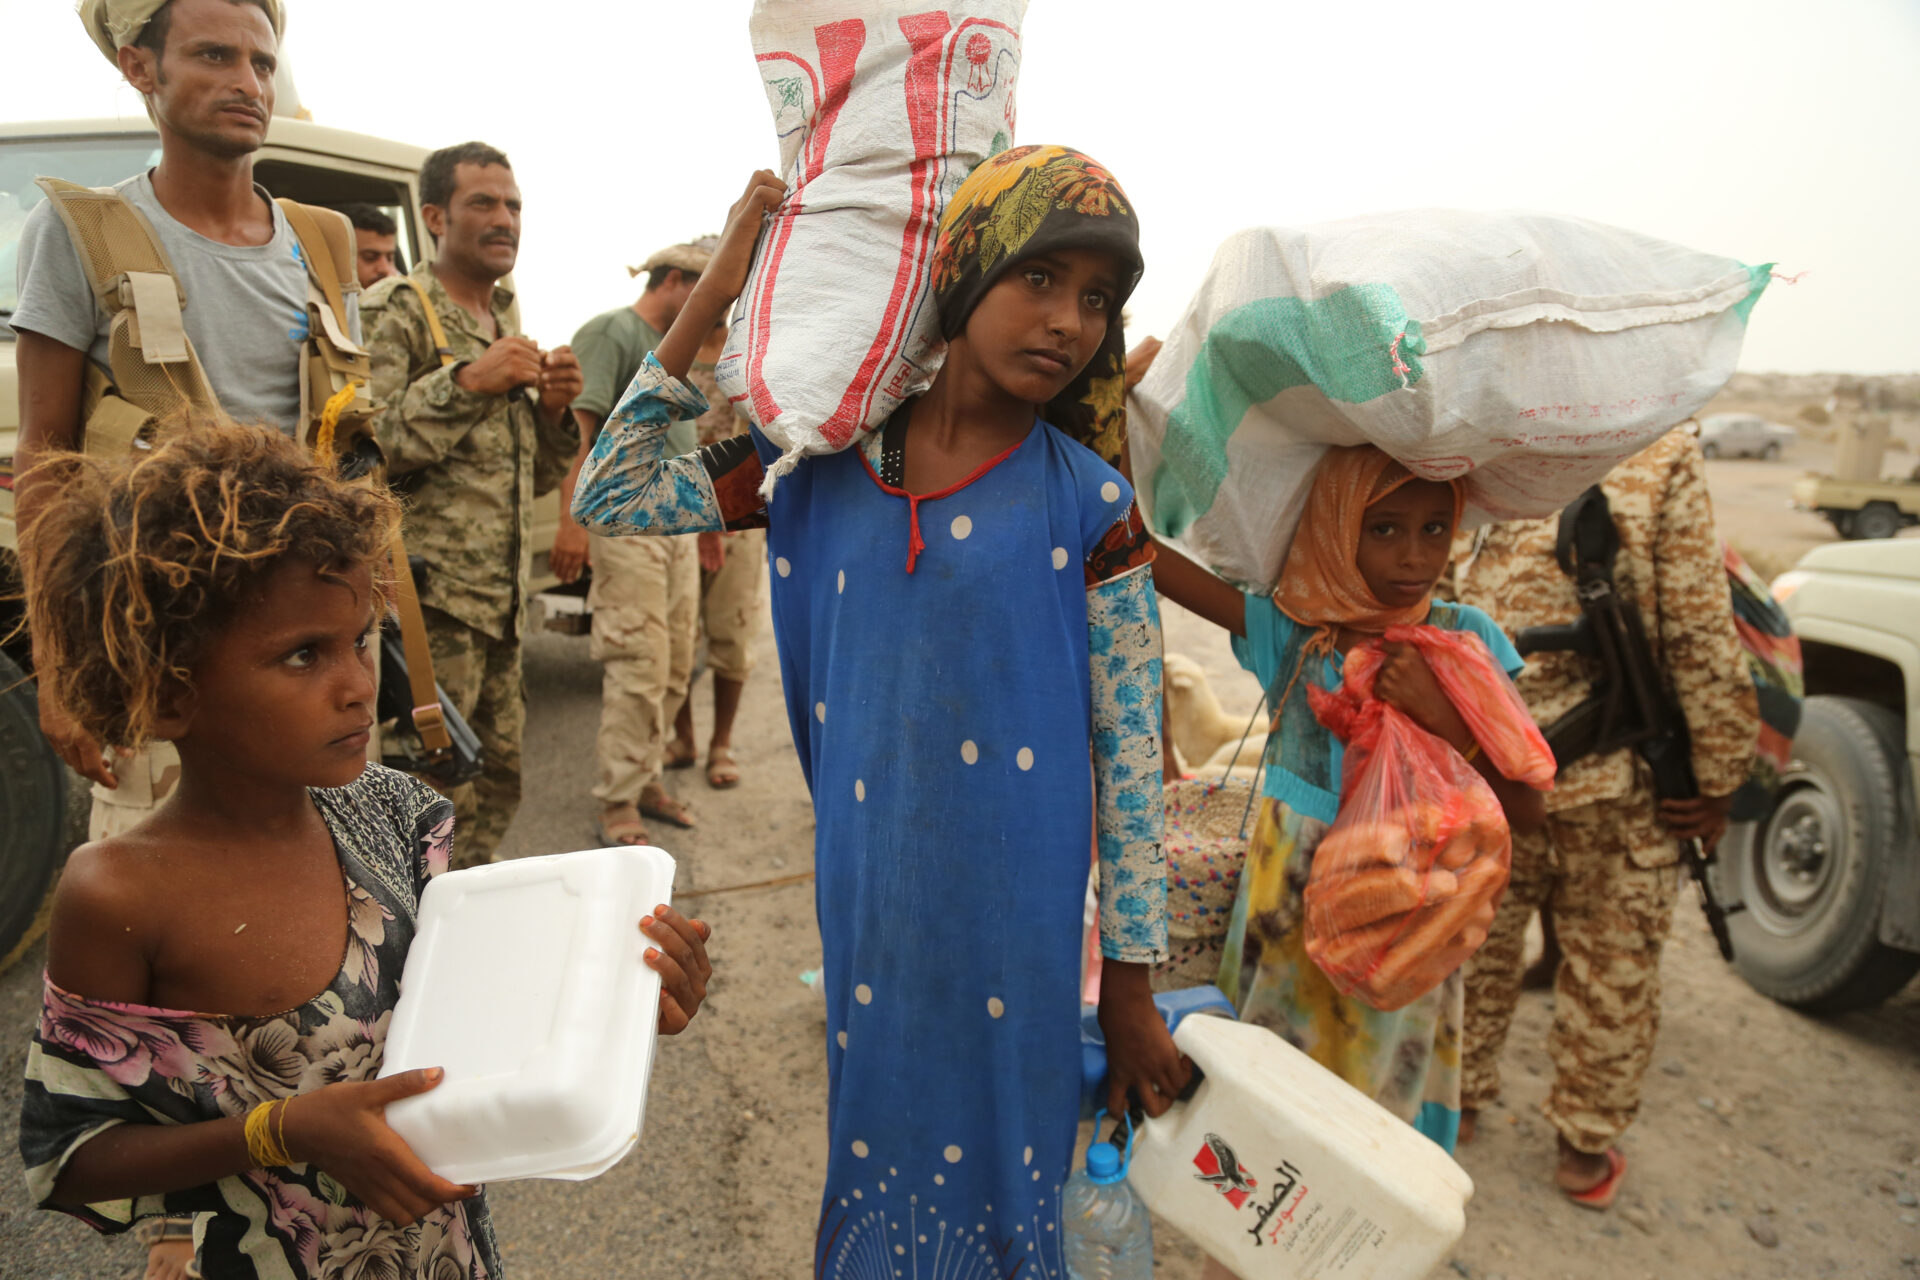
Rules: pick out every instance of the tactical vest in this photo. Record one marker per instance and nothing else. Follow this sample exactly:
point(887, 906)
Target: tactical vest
point(156, 384)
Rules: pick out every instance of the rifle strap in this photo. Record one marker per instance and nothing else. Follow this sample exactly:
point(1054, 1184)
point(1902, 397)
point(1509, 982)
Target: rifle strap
point(434, 327)
point(1587, 541)
point(428, 720)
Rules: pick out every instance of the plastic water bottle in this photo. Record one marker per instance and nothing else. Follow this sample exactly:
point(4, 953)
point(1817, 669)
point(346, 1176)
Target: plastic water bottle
point(1109, 1233)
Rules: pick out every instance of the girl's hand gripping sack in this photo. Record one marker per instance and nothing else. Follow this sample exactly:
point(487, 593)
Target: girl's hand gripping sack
point(882, 107)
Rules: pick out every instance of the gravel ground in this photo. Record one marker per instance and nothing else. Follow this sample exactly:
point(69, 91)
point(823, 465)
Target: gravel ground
point(1760, 1124)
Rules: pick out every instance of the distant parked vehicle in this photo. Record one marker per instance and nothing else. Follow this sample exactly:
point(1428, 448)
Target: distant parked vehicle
point(1860, 508)
point(1743, 435)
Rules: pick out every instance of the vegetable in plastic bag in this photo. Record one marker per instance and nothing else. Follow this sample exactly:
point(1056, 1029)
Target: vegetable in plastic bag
point(1403, 888)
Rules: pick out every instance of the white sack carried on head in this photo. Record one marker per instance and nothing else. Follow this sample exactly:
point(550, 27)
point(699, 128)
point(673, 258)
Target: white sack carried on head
point(1527, 352)
point(882, 109)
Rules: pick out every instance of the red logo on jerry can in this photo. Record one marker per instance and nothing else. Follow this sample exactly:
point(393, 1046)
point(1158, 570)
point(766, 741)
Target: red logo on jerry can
point(1221, 1170)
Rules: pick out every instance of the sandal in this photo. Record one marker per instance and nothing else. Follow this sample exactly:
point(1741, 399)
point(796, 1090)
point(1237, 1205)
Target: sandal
point(620, 824)
point(722, 770)
point(656, 803)
point(1600, 1195)
point(679, 754)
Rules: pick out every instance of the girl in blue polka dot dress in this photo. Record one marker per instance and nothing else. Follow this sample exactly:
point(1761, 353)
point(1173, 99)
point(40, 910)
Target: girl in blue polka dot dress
point(970, 649)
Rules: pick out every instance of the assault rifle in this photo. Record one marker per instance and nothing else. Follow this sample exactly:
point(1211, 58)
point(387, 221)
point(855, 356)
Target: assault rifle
point(1631, 704)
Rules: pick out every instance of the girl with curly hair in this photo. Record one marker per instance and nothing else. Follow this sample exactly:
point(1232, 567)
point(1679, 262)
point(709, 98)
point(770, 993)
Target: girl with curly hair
point(204, 1049)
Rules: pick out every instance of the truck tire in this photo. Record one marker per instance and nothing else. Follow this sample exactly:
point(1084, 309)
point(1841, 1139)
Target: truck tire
point(33, 809)
point(1772, 451)
point(1876, 520)
point(1709, 450)
point(1813, 873)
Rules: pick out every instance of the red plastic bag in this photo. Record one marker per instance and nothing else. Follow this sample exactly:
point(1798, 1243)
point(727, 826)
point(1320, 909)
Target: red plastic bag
point(1486, 699)
point(1403, 888)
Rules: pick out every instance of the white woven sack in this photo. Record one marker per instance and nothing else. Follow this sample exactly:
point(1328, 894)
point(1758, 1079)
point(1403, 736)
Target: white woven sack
point(883, 107)
point(1527, 352)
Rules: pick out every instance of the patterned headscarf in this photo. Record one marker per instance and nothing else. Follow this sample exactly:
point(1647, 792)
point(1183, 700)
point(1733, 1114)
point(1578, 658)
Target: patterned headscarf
point(1320, 583)
point(1024, 202)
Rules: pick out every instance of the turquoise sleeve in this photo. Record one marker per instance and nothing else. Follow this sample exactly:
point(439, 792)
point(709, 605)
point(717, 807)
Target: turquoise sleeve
point(1268, 631)
point(1472, 619)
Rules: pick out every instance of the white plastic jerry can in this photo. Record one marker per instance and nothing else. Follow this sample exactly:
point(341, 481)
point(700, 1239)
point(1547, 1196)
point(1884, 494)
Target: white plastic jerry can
point(1279, 1169)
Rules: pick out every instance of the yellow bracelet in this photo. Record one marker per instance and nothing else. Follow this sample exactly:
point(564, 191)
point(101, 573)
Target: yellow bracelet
point(257, 1136)
point(263, 1148)
point(1470, 753)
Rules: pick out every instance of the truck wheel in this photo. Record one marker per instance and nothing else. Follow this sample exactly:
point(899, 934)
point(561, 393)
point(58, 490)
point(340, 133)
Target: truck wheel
point(1813, 872)
point(1771, 452)
point(1876, 520)
point(1709, 450)
point(33, 808)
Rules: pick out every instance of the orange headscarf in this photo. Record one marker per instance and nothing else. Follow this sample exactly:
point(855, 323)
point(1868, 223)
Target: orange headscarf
point(1320, 583)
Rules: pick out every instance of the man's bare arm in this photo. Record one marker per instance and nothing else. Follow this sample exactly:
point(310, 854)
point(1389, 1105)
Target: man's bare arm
point(52, 380)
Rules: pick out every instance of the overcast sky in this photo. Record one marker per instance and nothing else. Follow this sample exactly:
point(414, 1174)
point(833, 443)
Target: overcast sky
point(1764, 130)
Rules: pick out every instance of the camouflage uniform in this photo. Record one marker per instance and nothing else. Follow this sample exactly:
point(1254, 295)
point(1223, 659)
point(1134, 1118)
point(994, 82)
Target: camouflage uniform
point(732, 597)
point(470, 466)
point(1605, 869)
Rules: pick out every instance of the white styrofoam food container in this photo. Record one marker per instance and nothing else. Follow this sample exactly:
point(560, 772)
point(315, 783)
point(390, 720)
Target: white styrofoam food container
point(526, 983)
point(1283, 1171)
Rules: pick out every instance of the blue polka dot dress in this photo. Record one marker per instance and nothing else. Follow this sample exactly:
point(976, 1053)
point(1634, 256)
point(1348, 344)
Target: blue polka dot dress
point(935, 654)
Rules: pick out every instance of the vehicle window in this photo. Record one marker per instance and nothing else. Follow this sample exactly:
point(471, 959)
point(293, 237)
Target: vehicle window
point(311, 184)
point(94, 162)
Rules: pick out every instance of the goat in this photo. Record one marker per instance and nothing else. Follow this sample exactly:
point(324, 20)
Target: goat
point(1198, 727)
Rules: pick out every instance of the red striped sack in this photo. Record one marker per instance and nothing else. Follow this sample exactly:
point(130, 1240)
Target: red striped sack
point(882, 108)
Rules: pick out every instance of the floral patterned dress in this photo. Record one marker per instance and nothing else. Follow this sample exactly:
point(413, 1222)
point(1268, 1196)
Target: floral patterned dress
point(95, 1064)
point(1408, 1059)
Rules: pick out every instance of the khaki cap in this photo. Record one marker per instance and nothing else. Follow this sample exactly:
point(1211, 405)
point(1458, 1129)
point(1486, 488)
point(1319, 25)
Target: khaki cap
point(115, 24)
point(691, 257)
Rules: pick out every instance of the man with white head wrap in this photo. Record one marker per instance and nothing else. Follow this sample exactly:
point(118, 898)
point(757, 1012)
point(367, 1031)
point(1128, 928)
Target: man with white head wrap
point(116, 24)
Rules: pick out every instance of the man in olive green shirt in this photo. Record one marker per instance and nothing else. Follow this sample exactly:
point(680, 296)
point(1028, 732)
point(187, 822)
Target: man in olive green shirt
point(645, 595)
point(471, 441)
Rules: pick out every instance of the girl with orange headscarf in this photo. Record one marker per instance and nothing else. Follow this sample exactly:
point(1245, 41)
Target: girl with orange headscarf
point(1372, 542)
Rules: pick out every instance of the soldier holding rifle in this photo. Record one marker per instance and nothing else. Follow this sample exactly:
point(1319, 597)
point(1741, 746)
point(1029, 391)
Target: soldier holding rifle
point(1606, 871)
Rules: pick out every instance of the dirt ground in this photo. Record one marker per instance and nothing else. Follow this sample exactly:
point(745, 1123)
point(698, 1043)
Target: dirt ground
point(1761, 1125)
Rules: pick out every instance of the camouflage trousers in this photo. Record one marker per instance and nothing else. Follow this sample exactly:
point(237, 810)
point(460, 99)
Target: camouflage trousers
point(733, 598)
point(146, 777)
point(645, 599)
point(481, 677)
point(1606, 875)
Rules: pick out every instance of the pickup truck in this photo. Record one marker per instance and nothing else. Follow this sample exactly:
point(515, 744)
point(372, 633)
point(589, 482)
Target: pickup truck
point(301, 160)
point(1860, 508)
point(1830, 877)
